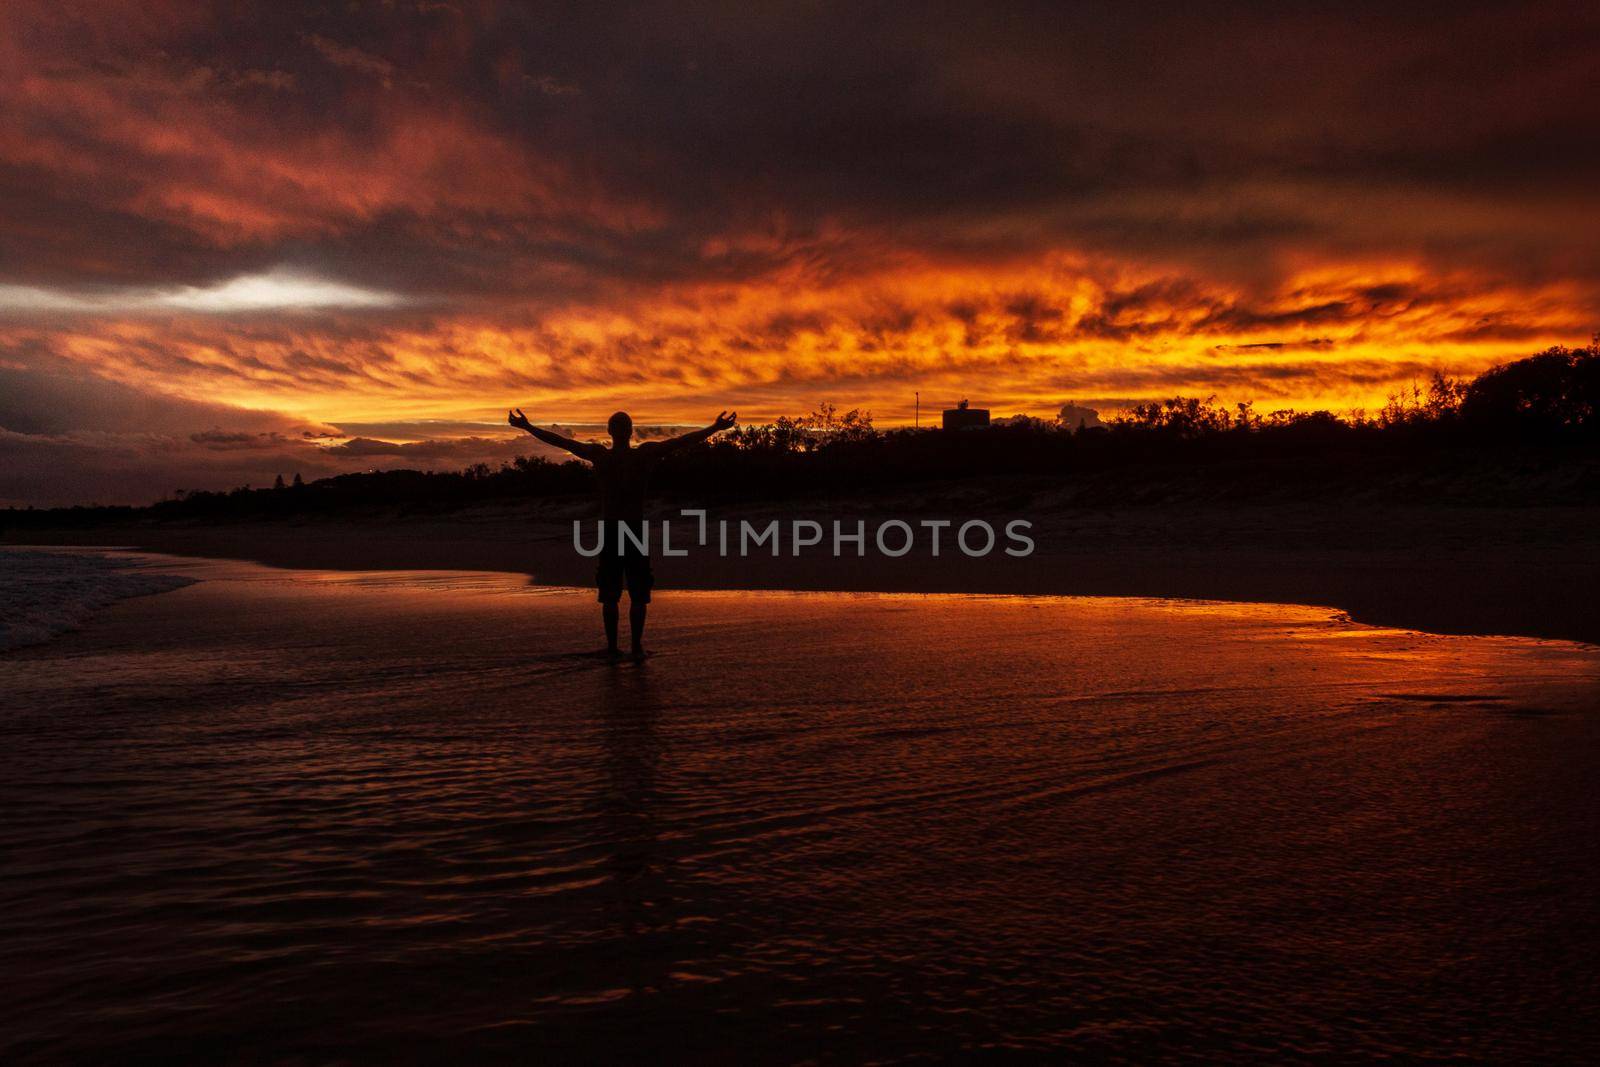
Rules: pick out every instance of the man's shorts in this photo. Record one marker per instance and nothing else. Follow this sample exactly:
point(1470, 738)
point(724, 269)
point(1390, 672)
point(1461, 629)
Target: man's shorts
point(631, 566)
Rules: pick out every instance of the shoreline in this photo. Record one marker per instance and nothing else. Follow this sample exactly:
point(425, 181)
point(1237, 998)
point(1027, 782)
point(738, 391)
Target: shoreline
point(1488, 572)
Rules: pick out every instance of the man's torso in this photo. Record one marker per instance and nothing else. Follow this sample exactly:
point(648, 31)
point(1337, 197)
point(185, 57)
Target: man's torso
point(623, 475)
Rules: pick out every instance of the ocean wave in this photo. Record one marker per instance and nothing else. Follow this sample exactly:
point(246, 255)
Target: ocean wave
point(48, 593)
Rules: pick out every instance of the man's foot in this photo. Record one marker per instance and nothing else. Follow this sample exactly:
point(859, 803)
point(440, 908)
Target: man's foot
point(639, 655)
point(613, 653)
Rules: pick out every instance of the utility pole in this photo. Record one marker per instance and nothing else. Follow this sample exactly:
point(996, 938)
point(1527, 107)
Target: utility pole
point(919, 409)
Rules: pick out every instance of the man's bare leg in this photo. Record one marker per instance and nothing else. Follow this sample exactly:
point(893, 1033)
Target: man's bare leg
point(609, 613)
point(636, 610)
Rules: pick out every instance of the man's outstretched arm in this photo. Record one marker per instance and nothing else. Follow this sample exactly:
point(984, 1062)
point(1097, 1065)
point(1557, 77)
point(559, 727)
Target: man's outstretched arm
point(581, 449)
point(693, 437)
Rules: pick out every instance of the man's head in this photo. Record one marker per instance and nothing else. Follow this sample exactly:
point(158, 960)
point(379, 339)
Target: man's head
point(621, 427)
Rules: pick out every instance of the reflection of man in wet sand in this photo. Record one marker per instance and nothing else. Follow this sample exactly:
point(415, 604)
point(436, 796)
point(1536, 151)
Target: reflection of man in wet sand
point(623, 472)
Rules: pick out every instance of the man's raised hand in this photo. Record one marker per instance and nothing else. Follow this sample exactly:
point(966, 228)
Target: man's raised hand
point(517, 419)
point(724, 421)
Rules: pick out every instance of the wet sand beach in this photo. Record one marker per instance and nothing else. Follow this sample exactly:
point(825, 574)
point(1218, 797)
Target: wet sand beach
point(315, 815)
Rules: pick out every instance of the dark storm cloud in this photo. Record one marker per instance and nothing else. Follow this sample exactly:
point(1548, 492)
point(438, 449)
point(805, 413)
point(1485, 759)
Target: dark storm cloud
point(64, 399)
point(136, 468)
point(551, 151)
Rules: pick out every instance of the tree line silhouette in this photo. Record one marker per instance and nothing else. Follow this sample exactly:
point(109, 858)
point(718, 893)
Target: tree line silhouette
point(1494, 439)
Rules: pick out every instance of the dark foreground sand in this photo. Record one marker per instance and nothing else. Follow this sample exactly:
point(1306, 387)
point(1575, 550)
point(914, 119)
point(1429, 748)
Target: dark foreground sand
point(1515, 571)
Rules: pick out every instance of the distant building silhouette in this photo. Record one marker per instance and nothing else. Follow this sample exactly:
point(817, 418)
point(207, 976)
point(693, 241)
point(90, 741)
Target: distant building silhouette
point(962, 417)
point(1077, 417)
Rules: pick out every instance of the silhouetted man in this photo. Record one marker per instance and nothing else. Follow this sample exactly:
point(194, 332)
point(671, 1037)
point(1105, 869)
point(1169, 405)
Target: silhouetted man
point(622, 472)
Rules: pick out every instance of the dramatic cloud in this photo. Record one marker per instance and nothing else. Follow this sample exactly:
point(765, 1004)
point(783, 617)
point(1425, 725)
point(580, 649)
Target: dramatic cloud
point(417, 214)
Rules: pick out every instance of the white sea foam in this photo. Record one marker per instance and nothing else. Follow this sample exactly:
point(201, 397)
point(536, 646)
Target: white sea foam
point(43, 594)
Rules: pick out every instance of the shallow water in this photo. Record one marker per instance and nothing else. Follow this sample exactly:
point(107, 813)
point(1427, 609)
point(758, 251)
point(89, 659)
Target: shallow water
point(48, 592)
point(379, 817)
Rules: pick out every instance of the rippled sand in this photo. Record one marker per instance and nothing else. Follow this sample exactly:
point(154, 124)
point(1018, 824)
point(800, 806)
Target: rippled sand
point(380, 817)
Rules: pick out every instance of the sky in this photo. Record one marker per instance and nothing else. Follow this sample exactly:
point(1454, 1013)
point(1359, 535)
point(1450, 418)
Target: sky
point(245, 239)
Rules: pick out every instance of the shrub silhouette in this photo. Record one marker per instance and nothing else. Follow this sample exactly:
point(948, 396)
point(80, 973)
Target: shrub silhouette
point(1553, 394)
